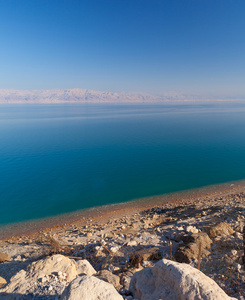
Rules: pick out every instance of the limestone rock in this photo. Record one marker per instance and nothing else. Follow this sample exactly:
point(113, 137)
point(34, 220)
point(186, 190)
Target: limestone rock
point(90, 288)
point(174, 281)
point(4, 257)
point(84, 267)
point(54, 264)
point(109, 277)
point(23, 280)
point(222, 228)
point(3, 282)
point(138, 257)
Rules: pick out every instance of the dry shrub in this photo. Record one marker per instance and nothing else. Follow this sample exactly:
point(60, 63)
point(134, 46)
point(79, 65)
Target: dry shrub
point(51, 245)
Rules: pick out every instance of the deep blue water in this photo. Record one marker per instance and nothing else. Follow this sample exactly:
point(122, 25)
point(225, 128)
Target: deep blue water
point(61, 158)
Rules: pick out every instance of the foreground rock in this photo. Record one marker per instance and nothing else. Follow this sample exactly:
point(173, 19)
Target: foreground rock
point(90, 288)
point(40, 273)
point(169, 280)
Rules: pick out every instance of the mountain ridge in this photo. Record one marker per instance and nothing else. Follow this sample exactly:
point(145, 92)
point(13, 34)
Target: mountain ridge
point(75, 95)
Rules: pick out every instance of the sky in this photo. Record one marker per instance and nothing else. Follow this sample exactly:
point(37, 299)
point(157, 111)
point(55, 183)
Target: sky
point(151, 46)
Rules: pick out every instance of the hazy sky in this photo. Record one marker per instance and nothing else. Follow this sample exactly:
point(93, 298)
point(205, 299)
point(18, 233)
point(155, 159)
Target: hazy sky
point(123, 45)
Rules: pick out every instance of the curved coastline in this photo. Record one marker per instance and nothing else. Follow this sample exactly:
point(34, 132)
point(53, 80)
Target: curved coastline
point(105, 212)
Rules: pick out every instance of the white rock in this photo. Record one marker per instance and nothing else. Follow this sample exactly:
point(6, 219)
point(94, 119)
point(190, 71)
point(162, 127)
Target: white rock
point(233, 252)
point(191, 229)
point(170, 280)
point(84, 267)
point(23, 280)
point(180, 228)
point(238, 267)
point(43, 279)
point(132, 243)
point(90, 288)
point(114, 249)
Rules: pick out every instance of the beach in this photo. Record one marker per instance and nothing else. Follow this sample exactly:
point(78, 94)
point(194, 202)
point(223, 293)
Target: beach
point(109, 237)
point(122, 166)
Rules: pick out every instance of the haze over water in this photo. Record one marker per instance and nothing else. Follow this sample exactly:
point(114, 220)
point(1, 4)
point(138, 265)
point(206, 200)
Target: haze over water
point(60, 158)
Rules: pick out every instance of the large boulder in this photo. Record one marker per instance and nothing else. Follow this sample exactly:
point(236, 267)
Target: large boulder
point(170, 280)
point(24, 281)
point(84, 267)
point(222, 228)
point(90, 288)
point(4, 257)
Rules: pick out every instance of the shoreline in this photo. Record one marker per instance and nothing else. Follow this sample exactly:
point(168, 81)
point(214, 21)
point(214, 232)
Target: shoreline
point(107, 212)
point(119, 241)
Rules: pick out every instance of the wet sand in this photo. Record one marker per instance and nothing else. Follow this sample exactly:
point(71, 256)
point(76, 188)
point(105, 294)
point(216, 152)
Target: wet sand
point(107, 212)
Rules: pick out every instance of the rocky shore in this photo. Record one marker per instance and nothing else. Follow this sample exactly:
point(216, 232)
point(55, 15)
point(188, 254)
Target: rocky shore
point(150, 254)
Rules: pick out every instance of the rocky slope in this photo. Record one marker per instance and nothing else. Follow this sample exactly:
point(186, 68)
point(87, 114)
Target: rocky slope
point(148, 255)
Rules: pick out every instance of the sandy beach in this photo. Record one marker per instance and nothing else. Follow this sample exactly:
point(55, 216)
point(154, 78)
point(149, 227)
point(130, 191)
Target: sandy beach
point(104, 213)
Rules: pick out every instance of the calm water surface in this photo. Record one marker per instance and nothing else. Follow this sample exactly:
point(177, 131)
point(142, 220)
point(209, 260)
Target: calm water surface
point(61, 158)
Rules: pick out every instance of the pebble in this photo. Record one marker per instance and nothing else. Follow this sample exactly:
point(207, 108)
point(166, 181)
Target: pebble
point(233, 252)
point(43, 279)
point(238, 267)
point(114, 249)
point(132, 243)
point(191, 229)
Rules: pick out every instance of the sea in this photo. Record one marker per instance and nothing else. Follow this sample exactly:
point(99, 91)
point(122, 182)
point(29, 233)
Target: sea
point(60, 158)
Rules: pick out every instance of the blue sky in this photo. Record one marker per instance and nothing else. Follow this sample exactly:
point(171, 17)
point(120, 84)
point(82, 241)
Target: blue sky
point(124, 45)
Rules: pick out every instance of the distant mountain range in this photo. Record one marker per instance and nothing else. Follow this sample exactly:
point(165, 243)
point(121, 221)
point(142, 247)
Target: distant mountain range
point(9, 96)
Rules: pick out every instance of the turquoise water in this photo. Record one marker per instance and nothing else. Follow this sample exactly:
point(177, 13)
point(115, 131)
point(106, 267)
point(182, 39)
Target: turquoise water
point(61, 158)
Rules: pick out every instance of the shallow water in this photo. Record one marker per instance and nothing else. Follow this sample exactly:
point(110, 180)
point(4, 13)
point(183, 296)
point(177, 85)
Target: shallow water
point(60, 158)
